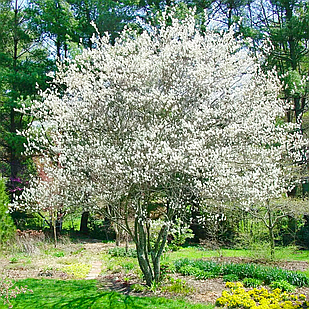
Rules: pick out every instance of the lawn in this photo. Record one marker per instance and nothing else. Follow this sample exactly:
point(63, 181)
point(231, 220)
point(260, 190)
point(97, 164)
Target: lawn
point(281, 253)
point(82, 294)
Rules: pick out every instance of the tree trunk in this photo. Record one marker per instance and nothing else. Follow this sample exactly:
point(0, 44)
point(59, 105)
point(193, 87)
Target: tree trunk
point(127, 242)
point(142, 252)
point(150, 269)
point(157, 252)
point(84, 223)
point(271, 233)
point(116, 229)
point(53, 219)
point(144, 265)
point(13, 158)
point(272, 242)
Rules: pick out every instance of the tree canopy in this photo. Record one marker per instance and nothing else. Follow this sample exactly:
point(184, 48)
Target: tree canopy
point(142, 125)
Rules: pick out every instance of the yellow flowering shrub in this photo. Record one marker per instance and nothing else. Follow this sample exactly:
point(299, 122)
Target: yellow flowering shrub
point(261, 298)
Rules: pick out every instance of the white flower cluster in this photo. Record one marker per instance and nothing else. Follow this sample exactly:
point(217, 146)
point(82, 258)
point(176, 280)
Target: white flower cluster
point(168, 110)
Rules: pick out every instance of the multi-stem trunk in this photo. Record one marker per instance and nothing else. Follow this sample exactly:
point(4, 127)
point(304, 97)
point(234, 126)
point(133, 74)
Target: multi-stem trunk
point(149, 255)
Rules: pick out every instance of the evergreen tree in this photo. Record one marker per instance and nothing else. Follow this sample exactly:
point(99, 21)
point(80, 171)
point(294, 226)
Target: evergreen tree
point(24, 63)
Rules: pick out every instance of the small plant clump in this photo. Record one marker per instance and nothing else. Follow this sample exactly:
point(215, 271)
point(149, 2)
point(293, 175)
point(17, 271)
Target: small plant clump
point(282, 285)
point(187, 270)
point(238, 297)
point(14, 260)
point(251, 282)
point(78, 270)
point(166, 268)
point(122, 252)
point(230, 277)
point(178, 286)
point(58, 254)
point(138, 288)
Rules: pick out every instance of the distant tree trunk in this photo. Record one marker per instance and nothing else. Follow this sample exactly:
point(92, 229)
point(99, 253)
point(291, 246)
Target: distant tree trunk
point(127, 242)
point(84, 223)
point(117, 232)
point(272, 242)
point(271, 233)
point(53, 220)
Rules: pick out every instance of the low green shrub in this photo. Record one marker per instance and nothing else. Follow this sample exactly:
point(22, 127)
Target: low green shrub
point(138, 288)
point(178, 286)
point(187, 270)
point(203, 274)
point(230, 277)
point(128, 265)
point(7, 227)
point(58, 254)
point(166, 268)
point(191, 266)
point(121, 251)
point(264, 273)
point(252, 283)
point(282, 285)
point(183, 262)
point(14, 260)
point(210, 266)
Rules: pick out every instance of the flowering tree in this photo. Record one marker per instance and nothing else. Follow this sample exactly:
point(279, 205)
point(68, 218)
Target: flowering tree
point(148, 123)
point(52, 191)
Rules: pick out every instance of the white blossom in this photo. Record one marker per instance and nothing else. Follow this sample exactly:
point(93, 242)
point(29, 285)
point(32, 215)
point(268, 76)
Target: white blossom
point(170, 110)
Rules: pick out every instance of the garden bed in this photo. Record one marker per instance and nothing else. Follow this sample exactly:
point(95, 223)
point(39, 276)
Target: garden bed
point(120, 273)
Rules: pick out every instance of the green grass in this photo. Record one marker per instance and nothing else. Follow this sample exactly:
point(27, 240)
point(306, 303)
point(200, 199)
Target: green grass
point(282, 253)
point(82, 294)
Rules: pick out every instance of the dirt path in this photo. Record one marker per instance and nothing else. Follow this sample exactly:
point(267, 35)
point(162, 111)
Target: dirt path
point(95, 271)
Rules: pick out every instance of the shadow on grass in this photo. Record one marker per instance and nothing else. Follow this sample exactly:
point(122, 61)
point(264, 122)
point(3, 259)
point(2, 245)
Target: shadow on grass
point(82, 294)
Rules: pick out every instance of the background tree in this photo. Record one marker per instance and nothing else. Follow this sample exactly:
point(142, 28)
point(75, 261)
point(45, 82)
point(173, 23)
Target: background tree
point(272, 211)
point(285, 25)
point(23, 64)
point(55, 23)
point(108, 16)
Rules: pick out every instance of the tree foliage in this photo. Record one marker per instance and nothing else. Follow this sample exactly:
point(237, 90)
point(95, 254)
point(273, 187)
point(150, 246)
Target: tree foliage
point(23, 65)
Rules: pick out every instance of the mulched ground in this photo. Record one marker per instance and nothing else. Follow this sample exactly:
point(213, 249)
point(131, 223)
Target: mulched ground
point(203, 290)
